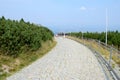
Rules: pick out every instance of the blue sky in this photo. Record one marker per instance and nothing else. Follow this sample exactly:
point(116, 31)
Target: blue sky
point(65, 15)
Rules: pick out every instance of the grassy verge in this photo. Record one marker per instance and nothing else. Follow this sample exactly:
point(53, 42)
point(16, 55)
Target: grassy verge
point(104, 52)
point(10, 65)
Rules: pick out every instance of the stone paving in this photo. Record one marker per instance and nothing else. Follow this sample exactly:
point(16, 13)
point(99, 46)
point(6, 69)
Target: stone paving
point(69, 60)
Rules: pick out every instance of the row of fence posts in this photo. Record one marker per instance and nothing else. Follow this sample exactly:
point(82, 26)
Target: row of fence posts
point(110, 51)
point(109, 48)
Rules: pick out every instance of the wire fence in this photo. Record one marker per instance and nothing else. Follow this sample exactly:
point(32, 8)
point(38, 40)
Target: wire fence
point(107, 56)
point(110, 64)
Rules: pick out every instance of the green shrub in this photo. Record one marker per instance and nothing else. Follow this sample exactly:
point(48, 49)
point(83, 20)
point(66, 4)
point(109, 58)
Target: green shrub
point(16, 34)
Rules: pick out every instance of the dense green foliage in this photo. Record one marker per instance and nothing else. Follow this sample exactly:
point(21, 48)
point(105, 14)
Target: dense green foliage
point(113, 36)
point(16, 35)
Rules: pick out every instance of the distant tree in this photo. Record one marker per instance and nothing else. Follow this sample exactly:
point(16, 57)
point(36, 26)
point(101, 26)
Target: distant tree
point(113, 36)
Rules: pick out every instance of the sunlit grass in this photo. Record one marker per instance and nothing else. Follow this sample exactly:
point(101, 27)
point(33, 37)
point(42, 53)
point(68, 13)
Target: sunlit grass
point(104, 51)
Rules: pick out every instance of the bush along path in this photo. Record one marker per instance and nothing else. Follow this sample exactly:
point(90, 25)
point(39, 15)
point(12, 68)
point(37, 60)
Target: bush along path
point(69, 60)
point(17, 34)
point(19, 42)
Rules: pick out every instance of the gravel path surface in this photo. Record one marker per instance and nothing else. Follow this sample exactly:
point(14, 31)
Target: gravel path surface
point(69, 60)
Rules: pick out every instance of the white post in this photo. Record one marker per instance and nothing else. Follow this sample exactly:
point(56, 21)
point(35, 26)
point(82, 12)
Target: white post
point(64, 34)
point(110, 57)
point(106, 25)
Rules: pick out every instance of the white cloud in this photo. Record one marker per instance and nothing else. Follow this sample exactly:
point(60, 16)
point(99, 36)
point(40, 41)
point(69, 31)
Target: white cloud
point(83, 8)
